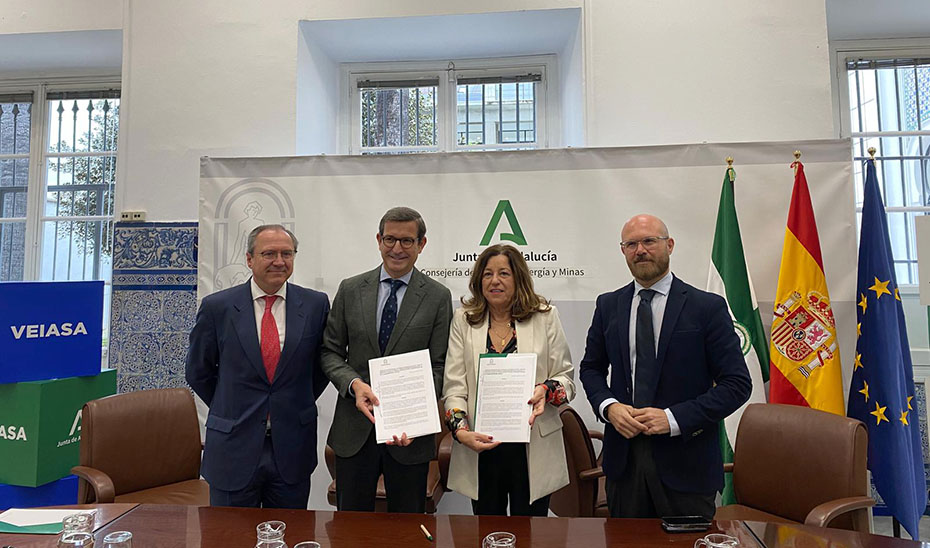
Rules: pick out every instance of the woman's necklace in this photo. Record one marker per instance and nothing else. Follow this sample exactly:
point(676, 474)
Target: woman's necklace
point(507, 334)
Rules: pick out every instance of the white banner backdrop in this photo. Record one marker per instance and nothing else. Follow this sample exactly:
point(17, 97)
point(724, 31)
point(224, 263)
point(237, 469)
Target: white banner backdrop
point(563, 208)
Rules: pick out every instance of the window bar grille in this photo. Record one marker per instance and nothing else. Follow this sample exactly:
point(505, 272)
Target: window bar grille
point(382, 116)
point(60, 110)
point(484, 102)
point(917, 100)
point(500, 113)
point(517, 92)
point(15, 125)
point(417, 97)
point(535, 114)
point(402, 98)
point(467, 122)
point(75, 109)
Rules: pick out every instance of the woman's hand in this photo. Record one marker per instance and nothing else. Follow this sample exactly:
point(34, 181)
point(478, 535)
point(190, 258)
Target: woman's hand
point(538, 401)
point(476, 441)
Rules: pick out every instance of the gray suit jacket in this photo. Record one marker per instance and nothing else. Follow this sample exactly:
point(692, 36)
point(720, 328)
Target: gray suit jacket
point(351, 339)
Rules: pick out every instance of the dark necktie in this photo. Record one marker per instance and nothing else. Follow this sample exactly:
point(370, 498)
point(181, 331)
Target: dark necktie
point(271, 340)
point(645, 351)
point(389, 315)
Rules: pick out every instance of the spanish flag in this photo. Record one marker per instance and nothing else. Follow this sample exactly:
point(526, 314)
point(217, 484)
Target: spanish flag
point(804, 351)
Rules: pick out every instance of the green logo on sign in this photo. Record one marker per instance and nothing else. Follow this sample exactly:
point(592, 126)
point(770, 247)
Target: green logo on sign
point(504, 208)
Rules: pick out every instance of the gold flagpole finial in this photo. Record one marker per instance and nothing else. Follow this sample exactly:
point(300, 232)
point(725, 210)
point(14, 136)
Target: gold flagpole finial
point(797, 161)
point(730, 172)
point(730, 161)
point(872, 152)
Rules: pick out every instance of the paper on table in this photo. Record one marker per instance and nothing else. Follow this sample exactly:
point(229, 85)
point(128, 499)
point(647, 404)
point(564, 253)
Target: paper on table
point(36, 520)
point(505, 384)
point(404, 386)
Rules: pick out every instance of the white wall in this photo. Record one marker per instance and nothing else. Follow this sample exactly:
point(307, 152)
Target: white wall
point(219, 78)
point(27, 16)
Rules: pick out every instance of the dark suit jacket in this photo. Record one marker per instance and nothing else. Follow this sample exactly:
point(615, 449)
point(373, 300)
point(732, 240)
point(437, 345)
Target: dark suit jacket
point(698, 347)
point(351, 339)
point(225, 368)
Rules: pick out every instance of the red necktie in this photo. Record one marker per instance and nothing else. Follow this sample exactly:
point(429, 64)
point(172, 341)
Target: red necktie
point(271, 342)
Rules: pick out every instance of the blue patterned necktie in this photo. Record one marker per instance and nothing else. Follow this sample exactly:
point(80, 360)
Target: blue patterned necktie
point(389, 315)
point(645, 351)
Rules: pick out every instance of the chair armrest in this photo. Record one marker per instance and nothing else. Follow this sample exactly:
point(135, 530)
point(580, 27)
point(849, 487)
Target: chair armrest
point(823, 514)
point(596, 435)
point(727, 467)
point(591, 474)
point(330, 457)
point(444, 456)
point(101, 483)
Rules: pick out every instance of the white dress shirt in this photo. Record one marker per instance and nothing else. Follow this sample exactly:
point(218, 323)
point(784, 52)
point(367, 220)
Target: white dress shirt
point(659, 300)
point(277, 310)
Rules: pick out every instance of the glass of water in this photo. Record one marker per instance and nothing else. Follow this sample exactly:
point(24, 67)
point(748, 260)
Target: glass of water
point(76, 539)
point(118, 539)
point(499, 539)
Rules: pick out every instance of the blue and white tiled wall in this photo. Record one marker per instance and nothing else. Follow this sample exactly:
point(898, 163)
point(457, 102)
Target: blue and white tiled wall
point(154, 303)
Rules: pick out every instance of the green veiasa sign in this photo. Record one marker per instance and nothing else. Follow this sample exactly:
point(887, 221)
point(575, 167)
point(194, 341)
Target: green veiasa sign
point(40, 426)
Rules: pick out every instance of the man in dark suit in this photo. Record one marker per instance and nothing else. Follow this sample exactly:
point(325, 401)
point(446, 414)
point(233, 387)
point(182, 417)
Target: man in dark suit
point(675, 368)
point(392, 309)
point(254, 359)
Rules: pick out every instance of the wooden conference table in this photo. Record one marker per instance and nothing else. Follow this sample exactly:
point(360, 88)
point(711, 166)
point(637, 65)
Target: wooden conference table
point(168, 526)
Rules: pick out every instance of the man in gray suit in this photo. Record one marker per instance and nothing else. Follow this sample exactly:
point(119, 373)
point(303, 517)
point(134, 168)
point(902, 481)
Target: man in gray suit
point(392, 309)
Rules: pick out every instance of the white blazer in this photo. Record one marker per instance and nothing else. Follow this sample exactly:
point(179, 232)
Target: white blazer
point(545, 454)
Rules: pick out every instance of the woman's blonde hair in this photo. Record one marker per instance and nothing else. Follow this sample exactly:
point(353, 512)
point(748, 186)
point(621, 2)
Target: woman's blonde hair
point(526, 301)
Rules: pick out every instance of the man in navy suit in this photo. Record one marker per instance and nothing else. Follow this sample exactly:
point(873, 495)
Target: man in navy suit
point(676, 369)
point(254, 359)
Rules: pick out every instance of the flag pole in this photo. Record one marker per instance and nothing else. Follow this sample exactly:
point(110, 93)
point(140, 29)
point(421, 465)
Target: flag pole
point(730, 173)
point(797, 161)
point(872, 153)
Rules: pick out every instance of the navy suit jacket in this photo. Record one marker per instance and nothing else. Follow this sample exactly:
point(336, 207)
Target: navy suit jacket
point(225, 368)
point(702, 379)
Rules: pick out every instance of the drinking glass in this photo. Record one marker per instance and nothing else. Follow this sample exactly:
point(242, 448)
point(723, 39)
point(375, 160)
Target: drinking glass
point(76, 539)
point(78, 522)
point(118, 539)
point(307, 544)
point(271, 534)
point(717, 540)
point(499, 539)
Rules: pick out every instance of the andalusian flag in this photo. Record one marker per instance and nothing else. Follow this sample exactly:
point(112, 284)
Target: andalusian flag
point(805, 353)
point(729, 278)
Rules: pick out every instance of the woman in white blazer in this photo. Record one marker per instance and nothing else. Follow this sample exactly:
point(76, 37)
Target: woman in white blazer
point(503, 315)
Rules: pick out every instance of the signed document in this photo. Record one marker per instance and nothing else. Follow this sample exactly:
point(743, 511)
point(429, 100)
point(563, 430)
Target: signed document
point(407, 395)
point(505, 384)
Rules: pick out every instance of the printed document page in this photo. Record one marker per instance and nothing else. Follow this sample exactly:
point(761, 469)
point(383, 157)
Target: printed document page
point(404, 386)
point(505, 384)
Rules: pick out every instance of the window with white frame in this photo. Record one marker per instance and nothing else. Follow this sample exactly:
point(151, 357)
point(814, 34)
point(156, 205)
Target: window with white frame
point(889, 108)
point(57, 180)
point(398, 108)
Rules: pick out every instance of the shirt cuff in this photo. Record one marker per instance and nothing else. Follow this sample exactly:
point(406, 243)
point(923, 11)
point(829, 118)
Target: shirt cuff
point(673, 429)
point(352, 392)
point(601, 410)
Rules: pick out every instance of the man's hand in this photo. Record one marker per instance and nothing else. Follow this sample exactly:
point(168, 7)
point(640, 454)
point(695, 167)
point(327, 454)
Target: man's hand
point(621, 417)
point(538, 401)
point(476, 441)
point(365, 399)
point(655, 420)
point(402, 441)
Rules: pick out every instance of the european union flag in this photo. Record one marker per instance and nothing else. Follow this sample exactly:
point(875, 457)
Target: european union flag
point(881, 393)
